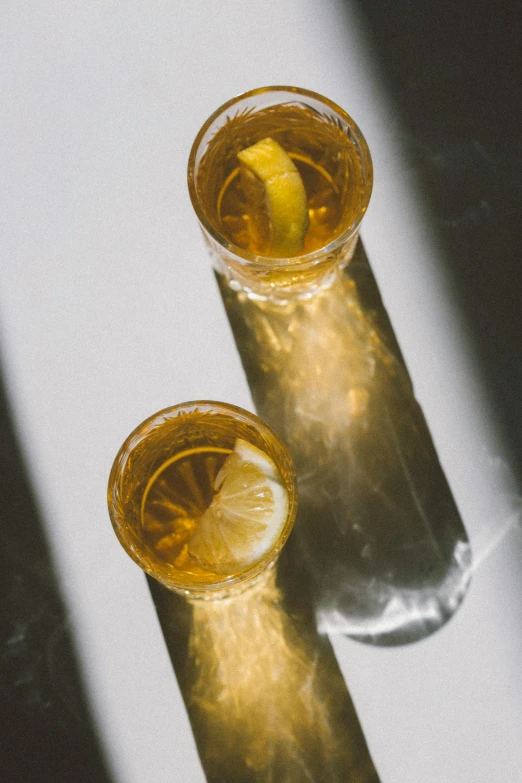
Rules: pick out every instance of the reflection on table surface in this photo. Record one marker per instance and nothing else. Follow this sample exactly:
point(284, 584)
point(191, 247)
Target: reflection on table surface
point(263, 690)
point(377, 524)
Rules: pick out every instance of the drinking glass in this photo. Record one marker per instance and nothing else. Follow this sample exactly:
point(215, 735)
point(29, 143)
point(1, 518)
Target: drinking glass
point(334, 161)
point(161, 483)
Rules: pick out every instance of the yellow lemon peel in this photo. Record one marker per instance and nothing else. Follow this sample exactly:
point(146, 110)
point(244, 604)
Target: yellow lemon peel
point(276, 199)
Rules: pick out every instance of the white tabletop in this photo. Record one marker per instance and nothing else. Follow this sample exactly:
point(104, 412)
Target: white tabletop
point(109, 311)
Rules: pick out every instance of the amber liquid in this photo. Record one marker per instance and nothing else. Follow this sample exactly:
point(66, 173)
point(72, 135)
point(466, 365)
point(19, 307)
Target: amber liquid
point(176, 496)
point(324, 208)
point(326, 157)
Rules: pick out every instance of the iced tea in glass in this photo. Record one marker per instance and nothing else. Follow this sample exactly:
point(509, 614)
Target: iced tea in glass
point(203, 497)
point(334, 162)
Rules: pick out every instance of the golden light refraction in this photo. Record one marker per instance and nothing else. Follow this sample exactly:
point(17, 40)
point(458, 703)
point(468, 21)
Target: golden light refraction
point(377, 524)
point(263, 691)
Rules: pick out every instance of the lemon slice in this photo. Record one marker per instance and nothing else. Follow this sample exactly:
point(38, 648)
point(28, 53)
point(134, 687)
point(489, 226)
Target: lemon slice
point(276, 199)
point(246, 515)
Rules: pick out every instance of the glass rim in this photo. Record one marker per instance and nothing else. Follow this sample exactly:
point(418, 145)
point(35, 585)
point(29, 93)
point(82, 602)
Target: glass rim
point(164, 575)
point(245, 256)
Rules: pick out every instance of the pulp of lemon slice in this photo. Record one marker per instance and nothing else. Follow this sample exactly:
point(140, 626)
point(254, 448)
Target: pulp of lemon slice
point(276, 199)
point(246, 515)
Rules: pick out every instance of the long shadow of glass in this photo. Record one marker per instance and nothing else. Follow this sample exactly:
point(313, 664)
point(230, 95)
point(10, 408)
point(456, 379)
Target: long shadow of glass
point(377, 526)
point(263, 691)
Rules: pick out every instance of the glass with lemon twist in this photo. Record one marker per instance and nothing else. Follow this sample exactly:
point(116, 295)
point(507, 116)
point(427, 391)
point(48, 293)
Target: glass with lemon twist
point(203, 497)
point(280, 179)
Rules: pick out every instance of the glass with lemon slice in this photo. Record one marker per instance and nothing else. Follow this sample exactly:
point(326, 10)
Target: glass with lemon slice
point(203, 497)
point(280, 179)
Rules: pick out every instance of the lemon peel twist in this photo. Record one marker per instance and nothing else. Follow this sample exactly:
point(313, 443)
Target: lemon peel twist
point(276, 199)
